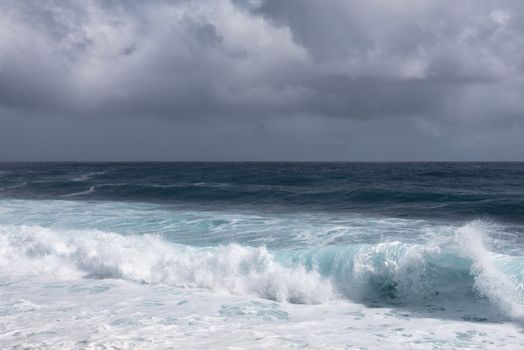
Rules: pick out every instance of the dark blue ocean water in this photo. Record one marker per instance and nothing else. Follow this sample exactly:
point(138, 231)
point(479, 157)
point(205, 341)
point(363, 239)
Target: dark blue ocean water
point(451, 191)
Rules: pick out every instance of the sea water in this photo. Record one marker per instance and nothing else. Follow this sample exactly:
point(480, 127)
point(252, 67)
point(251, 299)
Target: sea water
point(261, 255)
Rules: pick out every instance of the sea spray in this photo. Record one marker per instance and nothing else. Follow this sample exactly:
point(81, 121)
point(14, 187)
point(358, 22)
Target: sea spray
point(394, 270)
point(30, 250)
point(504, 291)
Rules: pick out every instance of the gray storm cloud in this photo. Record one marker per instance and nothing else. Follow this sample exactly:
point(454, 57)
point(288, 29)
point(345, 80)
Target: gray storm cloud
point(323, 79)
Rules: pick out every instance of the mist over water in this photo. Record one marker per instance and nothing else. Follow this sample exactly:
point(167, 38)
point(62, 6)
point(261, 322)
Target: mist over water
point(286, 255)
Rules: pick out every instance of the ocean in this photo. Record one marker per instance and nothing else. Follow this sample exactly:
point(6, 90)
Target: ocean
point(261, 255)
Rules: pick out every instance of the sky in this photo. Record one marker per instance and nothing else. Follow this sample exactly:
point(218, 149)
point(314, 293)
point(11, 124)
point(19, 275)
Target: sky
point(262, 80)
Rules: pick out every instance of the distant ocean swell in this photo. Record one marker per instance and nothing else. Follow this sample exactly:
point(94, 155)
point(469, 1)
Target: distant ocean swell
point(455, 191)
point(462, 267)
point(403, 203)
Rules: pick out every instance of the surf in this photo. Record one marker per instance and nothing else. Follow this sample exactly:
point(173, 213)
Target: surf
point(460, 267)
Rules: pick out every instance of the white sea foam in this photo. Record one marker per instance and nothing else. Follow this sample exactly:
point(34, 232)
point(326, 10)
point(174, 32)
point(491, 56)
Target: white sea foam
point(310, 276)
point(87, 176)
point(105, 314)
point(504, 291)
point(148, 259)
point(81, 193)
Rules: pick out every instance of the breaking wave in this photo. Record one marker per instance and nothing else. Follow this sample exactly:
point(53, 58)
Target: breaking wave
point(460, 267)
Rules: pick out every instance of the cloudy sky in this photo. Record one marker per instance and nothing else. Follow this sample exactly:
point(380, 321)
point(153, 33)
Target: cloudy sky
point(262, 80)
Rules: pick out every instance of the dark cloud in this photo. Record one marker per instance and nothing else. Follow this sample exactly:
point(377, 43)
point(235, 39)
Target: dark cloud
point(304, 79)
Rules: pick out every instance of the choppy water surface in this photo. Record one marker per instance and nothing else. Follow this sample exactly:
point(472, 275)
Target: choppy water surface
point(262, 255)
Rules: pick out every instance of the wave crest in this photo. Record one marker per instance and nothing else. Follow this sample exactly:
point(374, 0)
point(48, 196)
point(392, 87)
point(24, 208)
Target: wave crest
point(149, 259)
point(460, 267)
